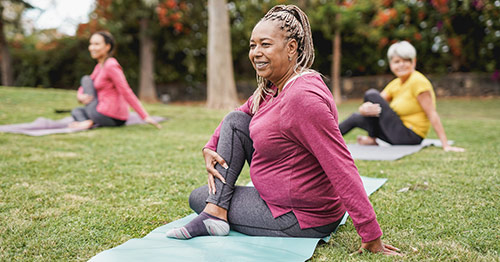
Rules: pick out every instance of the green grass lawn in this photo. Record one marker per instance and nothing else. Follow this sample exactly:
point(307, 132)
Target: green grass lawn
point(68, 197)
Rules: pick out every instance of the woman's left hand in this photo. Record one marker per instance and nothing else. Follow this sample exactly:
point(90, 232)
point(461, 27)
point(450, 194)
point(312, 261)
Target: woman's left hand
point(151, 121)
point(376, 246)
point(449, 148)
point(370, 109)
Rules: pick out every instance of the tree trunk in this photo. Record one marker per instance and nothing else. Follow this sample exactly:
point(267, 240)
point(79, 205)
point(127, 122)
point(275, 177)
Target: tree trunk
point(221, 88)
point(335, 70)
point(7, 73)
point(147, 88)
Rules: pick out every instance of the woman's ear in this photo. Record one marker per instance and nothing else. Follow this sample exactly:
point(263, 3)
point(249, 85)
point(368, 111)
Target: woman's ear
point(292, 46)
point(108, 48)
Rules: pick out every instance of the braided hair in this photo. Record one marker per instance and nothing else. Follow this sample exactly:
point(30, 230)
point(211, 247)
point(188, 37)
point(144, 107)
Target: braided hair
point(296, 25)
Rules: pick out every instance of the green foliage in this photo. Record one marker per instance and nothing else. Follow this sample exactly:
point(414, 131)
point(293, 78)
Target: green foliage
point(449, 36)
point(61, 65)
point(68, 197)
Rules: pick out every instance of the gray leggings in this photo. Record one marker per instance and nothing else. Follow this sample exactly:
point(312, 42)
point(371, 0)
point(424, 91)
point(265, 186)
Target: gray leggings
point(247, 211)
point(388, 126)
point(89, 111)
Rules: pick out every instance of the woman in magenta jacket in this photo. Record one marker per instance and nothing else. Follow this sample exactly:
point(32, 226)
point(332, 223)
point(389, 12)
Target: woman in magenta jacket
point(105, 93)
point(304, 176)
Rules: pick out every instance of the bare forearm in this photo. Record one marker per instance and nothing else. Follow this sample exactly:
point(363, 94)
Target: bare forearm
point(438, 127)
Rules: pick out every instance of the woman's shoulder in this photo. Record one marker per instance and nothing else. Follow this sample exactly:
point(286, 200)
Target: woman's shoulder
point(309, 81)
point(111, 62)
point(419, 77)
point(309, 86)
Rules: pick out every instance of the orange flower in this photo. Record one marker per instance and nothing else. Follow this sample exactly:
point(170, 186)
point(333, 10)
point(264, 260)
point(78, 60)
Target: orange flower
point(384, 16)
point(170, 4)
point(383, 42)
point(455, 46)
point(178, 27)
point(175, 16)
point(417, 36)
point(421, 15)
point(387, 3)
point(440, 5)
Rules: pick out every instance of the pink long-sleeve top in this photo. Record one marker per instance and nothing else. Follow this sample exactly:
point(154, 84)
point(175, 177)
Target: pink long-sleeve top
point(113, 92)
point(301, 163)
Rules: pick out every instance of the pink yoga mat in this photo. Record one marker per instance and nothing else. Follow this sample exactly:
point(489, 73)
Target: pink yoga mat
point(44, 126)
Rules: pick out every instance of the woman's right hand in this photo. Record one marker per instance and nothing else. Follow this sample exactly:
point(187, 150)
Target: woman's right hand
point(211, 159)
point(84, 98)
point(377, 246)
point(370, 109)
point(448, 148)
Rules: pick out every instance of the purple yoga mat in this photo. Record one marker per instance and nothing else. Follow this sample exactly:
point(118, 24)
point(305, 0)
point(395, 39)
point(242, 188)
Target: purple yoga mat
point(45, 126)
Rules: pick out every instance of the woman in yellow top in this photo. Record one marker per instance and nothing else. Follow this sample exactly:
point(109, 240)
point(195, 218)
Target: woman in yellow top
point(403, 113)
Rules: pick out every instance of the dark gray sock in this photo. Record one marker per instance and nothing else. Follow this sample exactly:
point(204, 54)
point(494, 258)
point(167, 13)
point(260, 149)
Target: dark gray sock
point(203, 225)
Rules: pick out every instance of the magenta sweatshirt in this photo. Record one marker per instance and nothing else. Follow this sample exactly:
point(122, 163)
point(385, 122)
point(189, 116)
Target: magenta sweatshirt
point(301, 163)
point(113, 92)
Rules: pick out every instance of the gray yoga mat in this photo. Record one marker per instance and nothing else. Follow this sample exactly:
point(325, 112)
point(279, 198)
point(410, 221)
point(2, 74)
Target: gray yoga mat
point(44, 126)
point(385, 151)
point(236, 247)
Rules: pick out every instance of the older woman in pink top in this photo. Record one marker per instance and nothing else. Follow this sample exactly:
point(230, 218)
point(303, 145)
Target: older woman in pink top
point(105, 93)
point(304, 177)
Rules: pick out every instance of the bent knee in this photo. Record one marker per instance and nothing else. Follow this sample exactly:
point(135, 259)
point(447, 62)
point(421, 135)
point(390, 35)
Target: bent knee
point(237, 119)
point(85, 79)
point(198, 199)
point(371, 94)
point(236, 116)
point(78, 113)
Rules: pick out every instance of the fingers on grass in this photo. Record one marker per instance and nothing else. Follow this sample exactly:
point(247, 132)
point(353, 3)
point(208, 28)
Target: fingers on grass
point(391, 247)
point(388, 252)
point(391, 250)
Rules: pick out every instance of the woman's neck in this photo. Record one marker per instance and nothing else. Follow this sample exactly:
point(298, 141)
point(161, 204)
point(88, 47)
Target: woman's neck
point(102, 60)
point(280, 84)
point(405, 78)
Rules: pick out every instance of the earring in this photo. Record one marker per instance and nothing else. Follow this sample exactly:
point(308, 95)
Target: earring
point(289, 59)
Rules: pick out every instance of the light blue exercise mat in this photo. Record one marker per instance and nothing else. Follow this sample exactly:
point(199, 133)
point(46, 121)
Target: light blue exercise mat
point(236, 247)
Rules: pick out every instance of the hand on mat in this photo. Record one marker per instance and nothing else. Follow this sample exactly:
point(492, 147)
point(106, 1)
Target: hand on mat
point(84, 98)
point(211, 159)
point(376, 246)
point(151, 121)
point(449, 148)
point(370, 109)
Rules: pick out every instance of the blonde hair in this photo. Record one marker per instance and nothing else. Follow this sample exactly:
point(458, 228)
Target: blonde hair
point(296, 25)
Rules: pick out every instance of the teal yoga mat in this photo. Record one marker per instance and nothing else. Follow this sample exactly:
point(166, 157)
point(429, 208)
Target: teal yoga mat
point(235, 247)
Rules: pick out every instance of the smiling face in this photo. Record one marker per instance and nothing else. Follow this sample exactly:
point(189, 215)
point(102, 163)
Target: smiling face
point(402, 68)
point(270, 52)
point(98, 48)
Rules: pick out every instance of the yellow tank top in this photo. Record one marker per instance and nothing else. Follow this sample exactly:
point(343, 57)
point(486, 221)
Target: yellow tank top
point(404, 101)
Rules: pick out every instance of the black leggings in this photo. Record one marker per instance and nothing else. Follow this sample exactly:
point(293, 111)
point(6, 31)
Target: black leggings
point(89, 111)
point(387, 126)
point(247, 212)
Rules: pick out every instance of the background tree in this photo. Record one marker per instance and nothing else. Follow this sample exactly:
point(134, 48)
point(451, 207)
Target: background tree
point(347, 17)
point(450, 36)
point(10, 13)
point(221, 88)
point(140, 27)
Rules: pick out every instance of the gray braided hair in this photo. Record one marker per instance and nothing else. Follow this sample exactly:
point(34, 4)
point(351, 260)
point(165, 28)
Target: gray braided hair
point(296, 25)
